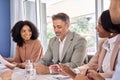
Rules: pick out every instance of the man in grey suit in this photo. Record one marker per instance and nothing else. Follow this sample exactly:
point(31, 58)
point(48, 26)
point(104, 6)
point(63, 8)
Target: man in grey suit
point(66, 47)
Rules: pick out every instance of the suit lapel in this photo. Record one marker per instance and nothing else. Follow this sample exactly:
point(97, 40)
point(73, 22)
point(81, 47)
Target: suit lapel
point(113, 56)
point(67, 44)
point(101, 58)
point(114, 53)
point(56, 51)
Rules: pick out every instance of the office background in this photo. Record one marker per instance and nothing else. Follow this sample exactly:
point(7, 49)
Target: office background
point(5, 28)
point(40, 11)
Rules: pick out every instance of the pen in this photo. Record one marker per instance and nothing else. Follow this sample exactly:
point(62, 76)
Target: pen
point(59, 68)
point(86, 72)
point(98, 70)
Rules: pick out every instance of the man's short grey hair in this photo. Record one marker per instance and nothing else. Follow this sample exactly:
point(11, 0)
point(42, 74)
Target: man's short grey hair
point(64, 17)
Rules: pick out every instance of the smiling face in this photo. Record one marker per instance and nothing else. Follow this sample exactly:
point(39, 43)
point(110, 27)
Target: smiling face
point(101, 32)
point(26, 33)
point(60, 28)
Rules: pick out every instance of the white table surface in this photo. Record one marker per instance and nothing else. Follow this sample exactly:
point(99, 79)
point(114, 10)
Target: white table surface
point(19, 74)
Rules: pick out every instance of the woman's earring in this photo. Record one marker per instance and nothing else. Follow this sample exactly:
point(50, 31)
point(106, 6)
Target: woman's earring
point(111, 34)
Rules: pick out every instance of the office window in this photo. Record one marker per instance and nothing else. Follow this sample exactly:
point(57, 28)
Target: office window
point(106, 4)
point(33, 12)
point(30, 10)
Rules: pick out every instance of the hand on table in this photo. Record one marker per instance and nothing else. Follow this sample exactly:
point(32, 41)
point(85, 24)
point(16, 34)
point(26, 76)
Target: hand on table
point(54, 68)
point(93, 75)
point(65, 70)
point(41, 69)
point(11, 66)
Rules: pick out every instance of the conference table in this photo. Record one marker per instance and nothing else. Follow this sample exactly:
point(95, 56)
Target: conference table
point(19, 74)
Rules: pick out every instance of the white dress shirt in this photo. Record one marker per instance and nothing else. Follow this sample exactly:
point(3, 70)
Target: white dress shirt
point(61, 46)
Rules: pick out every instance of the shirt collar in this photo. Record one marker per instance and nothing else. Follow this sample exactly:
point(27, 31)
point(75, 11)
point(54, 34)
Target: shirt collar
point(113, 39)
point(63, 40)
point(109, 41)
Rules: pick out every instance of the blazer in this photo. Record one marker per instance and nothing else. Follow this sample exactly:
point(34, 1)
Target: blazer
point(116, 75)
point(73, 54)
point(31, 50)
point(96, 61)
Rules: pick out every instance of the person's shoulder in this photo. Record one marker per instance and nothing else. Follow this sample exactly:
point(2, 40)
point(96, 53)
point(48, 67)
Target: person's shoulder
point(53, 38)
point(78, 36)
point(102, 40)
point(17, 46)
point(36, 41)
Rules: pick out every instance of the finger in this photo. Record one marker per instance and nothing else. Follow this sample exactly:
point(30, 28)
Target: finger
point(10, 67)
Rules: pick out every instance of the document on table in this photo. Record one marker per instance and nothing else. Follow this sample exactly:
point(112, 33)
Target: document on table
point(62, 77)
point(53, 77)
point(4, 62)
point(108, 78)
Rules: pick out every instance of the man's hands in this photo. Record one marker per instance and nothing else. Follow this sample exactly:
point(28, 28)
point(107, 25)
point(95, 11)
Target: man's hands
point(65, 70)
point(62, 69)
point(54, 68)
point(41, 69)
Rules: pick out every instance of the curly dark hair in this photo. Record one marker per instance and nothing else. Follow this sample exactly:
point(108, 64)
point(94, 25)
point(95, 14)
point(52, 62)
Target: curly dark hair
point(107, 23)
point(16, 32)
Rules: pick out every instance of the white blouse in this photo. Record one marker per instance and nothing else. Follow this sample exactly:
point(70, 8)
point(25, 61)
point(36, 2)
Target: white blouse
point(108, 45)
point(116, 75)
point(61, 46)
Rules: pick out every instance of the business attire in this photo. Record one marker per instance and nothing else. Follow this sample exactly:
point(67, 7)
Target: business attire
point(73, 53)
point(30, 50)
point(105, 58)
point(116, 75)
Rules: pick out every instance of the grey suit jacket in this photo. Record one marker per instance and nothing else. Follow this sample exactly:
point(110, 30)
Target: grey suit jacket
point(74, 51)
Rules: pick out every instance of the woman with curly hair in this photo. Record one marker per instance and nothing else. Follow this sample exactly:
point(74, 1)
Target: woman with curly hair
point(28, 47)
